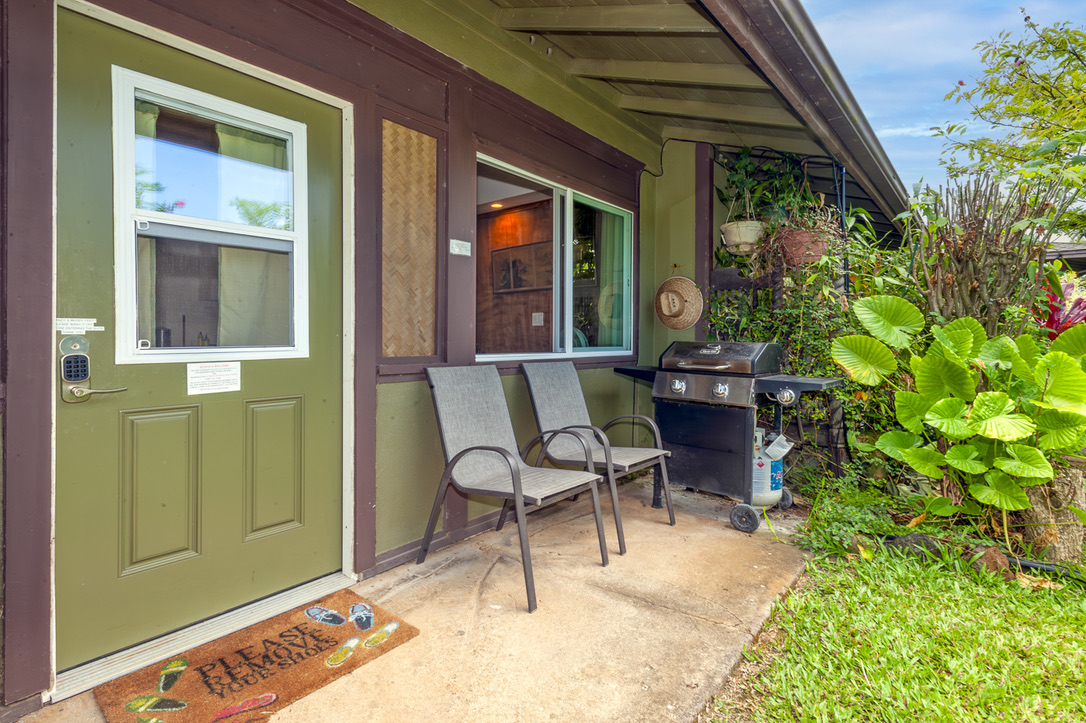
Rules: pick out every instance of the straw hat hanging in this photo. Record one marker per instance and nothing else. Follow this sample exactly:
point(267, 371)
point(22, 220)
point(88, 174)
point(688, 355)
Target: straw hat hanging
point(678, 303)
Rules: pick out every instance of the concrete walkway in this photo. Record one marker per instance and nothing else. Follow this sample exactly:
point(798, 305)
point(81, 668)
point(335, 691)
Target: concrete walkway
point(651, 637)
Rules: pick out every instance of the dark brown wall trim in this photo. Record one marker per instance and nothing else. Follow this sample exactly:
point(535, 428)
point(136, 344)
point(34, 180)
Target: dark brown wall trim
point(26, 339)
point(14, 712)
point(367, 314)
point(704, 232)
point(417, 372)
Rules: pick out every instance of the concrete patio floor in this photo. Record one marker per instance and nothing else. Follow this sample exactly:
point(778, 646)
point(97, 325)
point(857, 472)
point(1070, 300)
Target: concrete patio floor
point(651, 637)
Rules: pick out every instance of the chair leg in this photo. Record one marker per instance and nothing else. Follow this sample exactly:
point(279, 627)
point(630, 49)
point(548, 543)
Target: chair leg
point(599, 522)
point(432, 524)
point(613, 484)
point(525, 553)
point(667, 490)
point(505, 510)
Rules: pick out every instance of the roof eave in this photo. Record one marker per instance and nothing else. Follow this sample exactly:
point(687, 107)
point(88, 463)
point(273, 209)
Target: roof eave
point(780, 38)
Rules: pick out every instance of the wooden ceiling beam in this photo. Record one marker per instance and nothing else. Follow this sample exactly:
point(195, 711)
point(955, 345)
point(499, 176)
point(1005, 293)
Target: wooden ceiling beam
point(680, 18)
point(774, 117)
point(648, 71)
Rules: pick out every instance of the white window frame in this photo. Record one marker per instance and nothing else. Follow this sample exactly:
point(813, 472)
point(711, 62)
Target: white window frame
point(129, 220)
point(564, 198)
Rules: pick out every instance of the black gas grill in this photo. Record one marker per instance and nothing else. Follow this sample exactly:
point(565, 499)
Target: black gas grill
point(707, 396)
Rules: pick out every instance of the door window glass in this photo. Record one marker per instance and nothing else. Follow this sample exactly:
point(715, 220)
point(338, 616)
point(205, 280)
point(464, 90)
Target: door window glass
point(193, 166)
point(211, 242)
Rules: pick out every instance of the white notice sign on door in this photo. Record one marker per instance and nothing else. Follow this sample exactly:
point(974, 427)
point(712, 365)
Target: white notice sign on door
point(214, 377)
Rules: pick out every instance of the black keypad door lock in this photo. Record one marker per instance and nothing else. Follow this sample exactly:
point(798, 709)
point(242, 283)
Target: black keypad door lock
point(75, 379)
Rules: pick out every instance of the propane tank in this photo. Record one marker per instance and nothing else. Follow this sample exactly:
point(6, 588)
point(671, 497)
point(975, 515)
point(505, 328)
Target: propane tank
point(768, 479)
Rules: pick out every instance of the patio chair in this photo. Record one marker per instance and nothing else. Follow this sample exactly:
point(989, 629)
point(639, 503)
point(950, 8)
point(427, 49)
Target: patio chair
point(482, 458)
point(559, 405)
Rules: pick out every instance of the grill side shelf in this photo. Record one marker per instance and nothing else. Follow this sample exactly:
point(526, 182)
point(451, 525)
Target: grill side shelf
point(644, 374)
point(773, 383)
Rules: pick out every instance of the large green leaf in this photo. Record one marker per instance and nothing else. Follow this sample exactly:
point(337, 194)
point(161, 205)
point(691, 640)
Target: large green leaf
point(1028, 349)
point(866, 360)
point(1001, 492)
point(1002, 354)
point(1071, 342)
point(986, 448)
point(993, 416)
point(966, 458)
point(910, 409)
point(1060, 430)
point(894, 442)
point(939, 377)
point(975, 330)
point(1062, 381)
point(939, 349)
point(942, 506)
point(957, 341)
point(890, 319)
point(926, 461)
point(948, 416)
point(1025, 461)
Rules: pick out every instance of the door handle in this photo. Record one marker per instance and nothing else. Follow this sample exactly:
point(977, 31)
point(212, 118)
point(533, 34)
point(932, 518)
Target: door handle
point(80, 392)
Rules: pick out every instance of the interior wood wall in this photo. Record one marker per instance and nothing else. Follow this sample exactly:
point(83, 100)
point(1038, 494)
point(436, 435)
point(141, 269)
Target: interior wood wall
point(505, 318)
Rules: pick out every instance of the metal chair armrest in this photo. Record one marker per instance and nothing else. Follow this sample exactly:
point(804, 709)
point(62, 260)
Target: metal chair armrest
point(514, 469)
point(548, 436)
point(651, 422)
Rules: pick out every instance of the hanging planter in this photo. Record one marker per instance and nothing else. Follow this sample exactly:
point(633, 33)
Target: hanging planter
point(801, 246)
point(742, 237)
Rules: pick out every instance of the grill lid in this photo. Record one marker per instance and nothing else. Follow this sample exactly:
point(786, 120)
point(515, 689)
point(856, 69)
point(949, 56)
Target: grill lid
point(719, 357)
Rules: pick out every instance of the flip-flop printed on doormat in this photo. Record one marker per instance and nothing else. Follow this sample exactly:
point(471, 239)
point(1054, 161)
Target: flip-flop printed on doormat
point(254, 672)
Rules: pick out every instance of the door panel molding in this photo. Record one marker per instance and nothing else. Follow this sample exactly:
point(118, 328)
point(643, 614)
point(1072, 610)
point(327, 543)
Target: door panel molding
point(274, 481)
point(160, 451)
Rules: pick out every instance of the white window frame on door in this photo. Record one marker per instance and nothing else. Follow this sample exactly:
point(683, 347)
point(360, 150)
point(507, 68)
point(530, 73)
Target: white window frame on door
point(128, 85)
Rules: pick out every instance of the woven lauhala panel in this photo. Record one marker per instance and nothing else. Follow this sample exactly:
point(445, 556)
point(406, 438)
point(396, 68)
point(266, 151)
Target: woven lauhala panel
point(408, 242)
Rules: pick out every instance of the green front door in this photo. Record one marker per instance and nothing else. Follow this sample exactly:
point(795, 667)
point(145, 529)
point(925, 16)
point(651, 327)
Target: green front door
point(199, 269)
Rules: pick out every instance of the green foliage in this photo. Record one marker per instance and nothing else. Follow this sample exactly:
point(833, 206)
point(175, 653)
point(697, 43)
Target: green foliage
point(846, 510)
point(1032, 93)
point(892, 639)
point(981, 419)
point(978, 247)
point(810, 314)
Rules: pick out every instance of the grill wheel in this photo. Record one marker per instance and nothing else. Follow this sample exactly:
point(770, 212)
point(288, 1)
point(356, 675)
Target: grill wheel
point(744, 518)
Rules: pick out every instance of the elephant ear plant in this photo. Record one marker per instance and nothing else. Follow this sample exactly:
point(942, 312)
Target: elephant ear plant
point(983, 416)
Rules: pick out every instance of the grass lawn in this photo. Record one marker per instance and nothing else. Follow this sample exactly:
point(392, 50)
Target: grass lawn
point(897, 638)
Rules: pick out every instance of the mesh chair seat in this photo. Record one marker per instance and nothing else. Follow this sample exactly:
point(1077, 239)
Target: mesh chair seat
point(537, 483)
point(623, 459)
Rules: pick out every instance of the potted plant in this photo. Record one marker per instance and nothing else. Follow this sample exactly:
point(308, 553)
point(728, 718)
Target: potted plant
point(807, 227)
point(743, 230)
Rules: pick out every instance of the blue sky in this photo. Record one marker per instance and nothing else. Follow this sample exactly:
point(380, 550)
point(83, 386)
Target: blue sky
point(900, 59)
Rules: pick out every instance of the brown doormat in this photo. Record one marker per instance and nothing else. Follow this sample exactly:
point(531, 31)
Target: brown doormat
point(248, 675)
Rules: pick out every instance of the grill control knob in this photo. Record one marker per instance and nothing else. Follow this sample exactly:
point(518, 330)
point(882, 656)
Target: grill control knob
point(678, 386)
point(786, 396)
point(720, 389)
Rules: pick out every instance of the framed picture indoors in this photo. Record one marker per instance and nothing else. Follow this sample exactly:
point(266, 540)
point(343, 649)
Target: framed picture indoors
point(528, 267)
